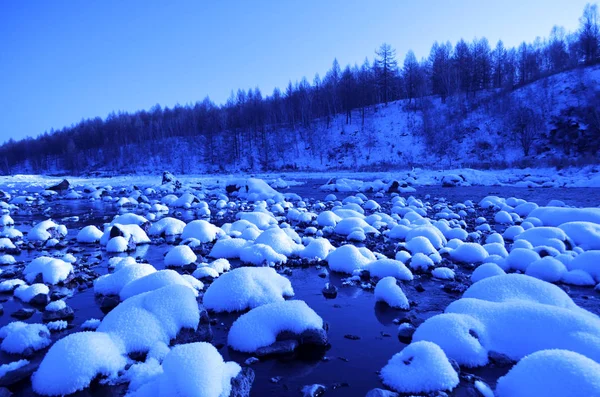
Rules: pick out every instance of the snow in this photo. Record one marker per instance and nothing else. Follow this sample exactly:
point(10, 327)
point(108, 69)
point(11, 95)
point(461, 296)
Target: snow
point(420, 261)
point(350, 224)
point(194, 369)
point(421, 367)
point(75, 360)
point(261, 220)
point(156, 316)
point(547, 269)
point(113, 283)
point(556, 216)
point(27, 292)
point(388, 291)
point(57, 326)
point(6, 368)
point(318, 249)
point(10, 285)
point(551, 373)
point(420, 244)
point(469, 253)
point(279, 241)
point(167, 226)
point(129, 231)
point(260, 326)
point(348, 258)
point(583, 234)
point(53, 270)
point(246, 288)
point(55, 306)
point(179, 256)
point(486, 270)
point(443, 273)
point(201, 230)
point(261, 254)
point(588, 262)
point(254, 189)
point(19, 337)
point(89, 234)
point(154, 281)
point(227, 248)
point(40, 232)
point(117, 245)
point(389, 267)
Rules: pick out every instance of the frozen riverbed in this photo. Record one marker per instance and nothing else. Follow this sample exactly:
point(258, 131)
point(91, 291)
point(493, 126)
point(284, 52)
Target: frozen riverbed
point(362, 334)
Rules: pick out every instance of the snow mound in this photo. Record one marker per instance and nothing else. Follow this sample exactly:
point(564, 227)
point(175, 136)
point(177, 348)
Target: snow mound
point(388, 291)
point(469, 253)
point(113, 283)
point(254, 189)
point(588, 262)
point(279, 241)
point(486, 270)
point(75, 360)
point(260, 326)
point(420, 367)
point(348, 258)
point(555, 216)
point(156, 316)
point(202, 230)
point(89, 234)
point(27, 292)
point(53, 270)
point(128, 232)
point(228, 248)
point(551, 373)
point(389, 267)
point(154, 281)
point(179, 256)
point(192, 370)
point(46, 230)
point(167, 226)
point(19, 337)
point(318, 249)
point(246, 288)
point(260, 255)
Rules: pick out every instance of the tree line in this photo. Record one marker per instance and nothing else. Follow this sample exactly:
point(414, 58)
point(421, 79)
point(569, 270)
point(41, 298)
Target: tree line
point(250, 119)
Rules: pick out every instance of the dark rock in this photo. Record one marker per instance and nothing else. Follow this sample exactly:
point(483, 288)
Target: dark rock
point(352, 337)
point(381, 393)
point(455, 365)
point(314, 337)
point(17, 375)
point(313, 390)
point(251, 360)
point(23, 314)
point(276, 379)
point(231, 188)
point(1, 309)
point(499, 359)
point(419, 288)
point(339, 385)
point(203, 333)
point(405, 333)
point(330, 291)
point(4, 392)
point(108, 302)
point(455, 287)
point(167, 177)
point(61, 187)
point(115, 232)
point(242, 383)
point(278, 348)
point(66, 314)
point(39, 300)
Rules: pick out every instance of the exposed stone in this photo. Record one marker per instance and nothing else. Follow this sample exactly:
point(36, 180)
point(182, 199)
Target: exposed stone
point(23, 314)
point(313, 390)
point(330, 291)
point(242, 383)
point(61, 187)
point(39, 300)
point(17, 375)
point(381, 393)
point(66, 314)
point(278, 348)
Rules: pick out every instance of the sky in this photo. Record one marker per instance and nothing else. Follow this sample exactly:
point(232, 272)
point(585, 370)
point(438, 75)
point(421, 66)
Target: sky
point(65, 60)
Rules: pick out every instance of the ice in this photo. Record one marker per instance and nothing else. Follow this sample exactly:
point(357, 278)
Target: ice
point(179, 256)
point(151, 317)
point(202, 230)
point(19, 337)
point(246, 288)
point(191, 370)
point(388, 291)
point(89, 234)
point(260, 326)
point(348, 258)
point(75, 360)
point(551, 373)
point(421, 367)
point(113, 283)
point(53, 270)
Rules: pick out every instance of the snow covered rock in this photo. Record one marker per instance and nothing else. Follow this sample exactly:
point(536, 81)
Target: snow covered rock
point(421, 367)
point(388, 291)
point(46, 230)
point(53, 270)
point(167, 227)
point(75, 360)
point(260, 326)
point(469, 253)
point(179, 256)
point(389, 267)
point(156, 316)
point(555, 216)
point(154, 281)
point(202, 230)
point(246, 288)
point(348, 258)
point(89, 234)
point(113, 283)
point(318, 249)
point(192, 370)
point(27, 293)
point(551, 373)
point(21, 338)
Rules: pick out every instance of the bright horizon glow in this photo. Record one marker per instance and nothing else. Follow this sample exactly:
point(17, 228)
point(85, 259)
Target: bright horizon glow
point(61, 62)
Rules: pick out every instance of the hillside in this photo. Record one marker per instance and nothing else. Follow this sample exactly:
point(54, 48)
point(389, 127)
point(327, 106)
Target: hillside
point(553, 119)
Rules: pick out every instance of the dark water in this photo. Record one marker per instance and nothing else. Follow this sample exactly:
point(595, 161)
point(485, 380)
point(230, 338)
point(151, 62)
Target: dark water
point(349, 367)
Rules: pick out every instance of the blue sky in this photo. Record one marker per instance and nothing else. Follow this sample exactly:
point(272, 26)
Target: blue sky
point(61, 61)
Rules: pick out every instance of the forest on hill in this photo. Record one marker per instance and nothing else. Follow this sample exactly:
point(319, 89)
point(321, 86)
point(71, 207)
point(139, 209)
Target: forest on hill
point(432, 101)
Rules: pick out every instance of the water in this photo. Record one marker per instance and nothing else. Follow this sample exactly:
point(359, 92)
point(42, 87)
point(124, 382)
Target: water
point(349, 367)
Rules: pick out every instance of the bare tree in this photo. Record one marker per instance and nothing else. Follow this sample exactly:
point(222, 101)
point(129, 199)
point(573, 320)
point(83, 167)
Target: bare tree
point(387, 68)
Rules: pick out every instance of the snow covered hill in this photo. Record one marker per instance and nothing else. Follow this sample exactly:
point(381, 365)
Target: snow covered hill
point(481, 131)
